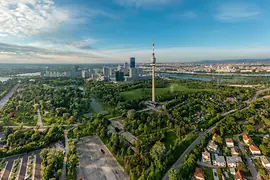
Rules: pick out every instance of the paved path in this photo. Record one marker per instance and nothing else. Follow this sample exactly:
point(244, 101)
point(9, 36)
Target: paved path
point(64, 171)
point(5, 99)
point(39, 122)
point(29, 127)
point(215, 174)
point(251, 167)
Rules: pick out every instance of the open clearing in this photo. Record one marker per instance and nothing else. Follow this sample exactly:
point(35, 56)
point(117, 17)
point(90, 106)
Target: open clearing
point(146, 92)
point(94, 165)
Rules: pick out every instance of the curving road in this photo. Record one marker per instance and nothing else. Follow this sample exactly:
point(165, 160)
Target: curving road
point(197, 141)
point(5, 99)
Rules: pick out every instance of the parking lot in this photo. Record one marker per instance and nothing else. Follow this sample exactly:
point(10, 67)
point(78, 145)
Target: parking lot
point(22, 168)
point(96, 162)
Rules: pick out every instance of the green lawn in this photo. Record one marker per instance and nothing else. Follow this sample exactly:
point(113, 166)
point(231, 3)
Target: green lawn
point(146, 92)
point(208, 172)
point(170, 139)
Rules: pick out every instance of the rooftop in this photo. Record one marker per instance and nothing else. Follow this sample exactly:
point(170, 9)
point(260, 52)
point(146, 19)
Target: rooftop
point(245, 137)
point(199, 173)
point(254, 148)
point(229, 140)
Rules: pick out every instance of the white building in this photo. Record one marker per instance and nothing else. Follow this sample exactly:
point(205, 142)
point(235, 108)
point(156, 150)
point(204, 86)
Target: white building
point(219, 161)
point(254, 150)
point(212, 146)
point(206, 157)
point(85, 74)
point(232, 161)
point(229, 142)
point(265, 162)
point(234, 152)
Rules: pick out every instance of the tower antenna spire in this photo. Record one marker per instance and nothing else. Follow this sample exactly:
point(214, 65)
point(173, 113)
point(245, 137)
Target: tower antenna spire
point(153, 72)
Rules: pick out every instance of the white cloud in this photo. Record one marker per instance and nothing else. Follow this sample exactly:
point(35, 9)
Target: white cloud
point(39, 54)
point(140, 3)
point(237, 11)
point(29, 17)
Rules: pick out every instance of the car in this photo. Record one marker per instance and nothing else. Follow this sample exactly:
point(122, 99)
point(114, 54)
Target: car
point(103, 152)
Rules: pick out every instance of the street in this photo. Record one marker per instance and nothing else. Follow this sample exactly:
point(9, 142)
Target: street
point(39, 122)
point(5, 99)
point(251, 167)
point(64, 171)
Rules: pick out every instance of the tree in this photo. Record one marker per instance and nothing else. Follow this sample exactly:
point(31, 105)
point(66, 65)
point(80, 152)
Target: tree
point(157, 153)
point(131, 114)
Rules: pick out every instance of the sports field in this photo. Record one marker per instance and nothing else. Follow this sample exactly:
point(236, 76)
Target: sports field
point(146, 92)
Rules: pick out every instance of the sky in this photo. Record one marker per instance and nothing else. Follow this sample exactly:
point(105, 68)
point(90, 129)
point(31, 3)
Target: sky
point(112, 31)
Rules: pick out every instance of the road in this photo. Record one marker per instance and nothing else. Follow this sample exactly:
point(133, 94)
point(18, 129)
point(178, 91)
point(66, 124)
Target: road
point(39, 122)
point(5, 99)
point(197, 141)
point(64, 175)
point(251, 167)
point(29, 127)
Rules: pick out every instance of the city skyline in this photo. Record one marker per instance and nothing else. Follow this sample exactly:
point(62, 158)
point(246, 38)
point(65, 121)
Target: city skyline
point(57, 31)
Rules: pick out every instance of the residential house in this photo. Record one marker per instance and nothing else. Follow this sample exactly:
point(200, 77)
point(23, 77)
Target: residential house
point(232, 171)
point(239, 175)
point(206, 157)
point(229, 142)
point(219, 161)
point(234, 152)
point(246, 139)
point(232, 161)
point(214, 136)
point(199, 174)
point(265, 162)
point(212, 146)
point(254, 150)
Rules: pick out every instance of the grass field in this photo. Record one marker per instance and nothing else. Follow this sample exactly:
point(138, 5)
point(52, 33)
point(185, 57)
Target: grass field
point(208, 173)
point(146, 92)
point(170, 139)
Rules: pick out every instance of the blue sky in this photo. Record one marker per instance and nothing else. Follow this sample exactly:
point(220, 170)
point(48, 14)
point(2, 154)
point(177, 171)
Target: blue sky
point(91, 31)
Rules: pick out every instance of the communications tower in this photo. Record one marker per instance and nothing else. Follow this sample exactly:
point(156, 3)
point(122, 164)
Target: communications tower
point(153, 72)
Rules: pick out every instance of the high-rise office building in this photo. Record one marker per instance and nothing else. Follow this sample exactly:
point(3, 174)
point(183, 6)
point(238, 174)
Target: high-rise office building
point(133, 73)
point(75, 73)
point(106, 71)
point(132, 62)
point(119, 76)
point(126, 68)
point(85, 74)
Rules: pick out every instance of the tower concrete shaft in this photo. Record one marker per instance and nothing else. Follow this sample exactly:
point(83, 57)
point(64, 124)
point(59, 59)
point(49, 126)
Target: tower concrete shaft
point(153, 73)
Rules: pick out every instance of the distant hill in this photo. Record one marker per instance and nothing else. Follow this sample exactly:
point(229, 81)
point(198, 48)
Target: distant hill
point(234, 61)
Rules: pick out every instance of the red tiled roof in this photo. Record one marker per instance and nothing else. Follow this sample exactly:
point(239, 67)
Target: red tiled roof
point(199, 173)
point(254, 148)
point(239, 175)
point(229, 140)
point(245, 137)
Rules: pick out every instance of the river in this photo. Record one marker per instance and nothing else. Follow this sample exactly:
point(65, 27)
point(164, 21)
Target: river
point(203, 78)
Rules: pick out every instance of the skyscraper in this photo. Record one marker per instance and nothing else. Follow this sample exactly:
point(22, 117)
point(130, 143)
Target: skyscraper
point(153, 73)
point(132, 62)
point(119, 76)
point(106, 71)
